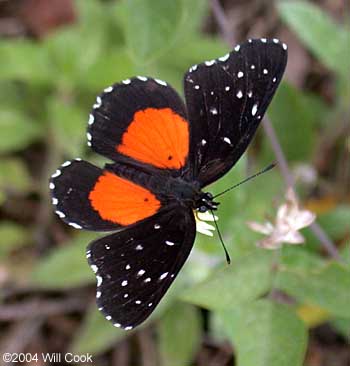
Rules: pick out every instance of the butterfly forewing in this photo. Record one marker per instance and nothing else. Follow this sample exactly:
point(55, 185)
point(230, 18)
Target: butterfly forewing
point(143, 119)
point(135, 267)
point(226, 100)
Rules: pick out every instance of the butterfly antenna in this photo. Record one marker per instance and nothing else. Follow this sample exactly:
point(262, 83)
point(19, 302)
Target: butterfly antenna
point(269, 167)
point(228, 259)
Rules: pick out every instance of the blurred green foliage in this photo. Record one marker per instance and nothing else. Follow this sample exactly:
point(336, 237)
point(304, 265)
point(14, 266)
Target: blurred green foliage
point(46, 91)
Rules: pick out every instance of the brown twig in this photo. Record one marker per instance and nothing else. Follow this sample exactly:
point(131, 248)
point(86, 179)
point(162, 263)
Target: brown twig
point(276, 146)
point(42, 308)
point(221, 19)
point(20, 335)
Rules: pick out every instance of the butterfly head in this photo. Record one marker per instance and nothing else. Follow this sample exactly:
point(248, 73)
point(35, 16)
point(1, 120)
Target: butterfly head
point(205, 202)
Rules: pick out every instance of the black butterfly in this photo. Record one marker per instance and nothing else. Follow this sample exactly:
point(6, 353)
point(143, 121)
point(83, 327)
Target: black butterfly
point(163, 154)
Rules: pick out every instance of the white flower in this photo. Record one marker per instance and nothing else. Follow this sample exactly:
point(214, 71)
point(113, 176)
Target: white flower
point(289, 220)
point(202, 226)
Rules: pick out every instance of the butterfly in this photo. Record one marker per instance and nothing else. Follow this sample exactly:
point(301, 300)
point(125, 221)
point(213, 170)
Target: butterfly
point(163, 154)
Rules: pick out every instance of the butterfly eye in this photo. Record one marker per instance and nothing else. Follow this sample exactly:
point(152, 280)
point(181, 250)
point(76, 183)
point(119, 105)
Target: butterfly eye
point(202, 209)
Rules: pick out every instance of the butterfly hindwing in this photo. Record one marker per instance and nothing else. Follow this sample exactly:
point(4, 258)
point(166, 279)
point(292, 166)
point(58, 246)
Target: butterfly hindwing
point(226, 100)
point(143, 119)
point(91, 198)
point(135, 267)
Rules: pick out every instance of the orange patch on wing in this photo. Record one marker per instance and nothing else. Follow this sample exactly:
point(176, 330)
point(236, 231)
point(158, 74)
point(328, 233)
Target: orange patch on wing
point(159, 137)
point(121, 201)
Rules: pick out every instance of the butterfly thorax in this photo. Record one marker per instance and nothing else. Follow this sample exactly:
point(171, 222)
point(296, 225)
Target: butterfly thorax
point(189, 194)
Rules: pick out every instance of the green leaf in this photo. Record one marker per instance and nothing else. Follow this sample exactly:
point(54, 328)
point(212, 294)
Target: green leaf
point(244, 280)
point(328, 287)
point(68, 123)
point(172, 65)
point(152, 26)
point(336, 222)
point(112, 67)
point(73, 50)
point(96, 334)
point(17, 131)
point(24, 60)
point(294, 123)
point(342, 326)
point(179, 334)
point(65, 266)
point(264, 333)
point(297, 258)
point(14, 176)
point(327, 40)
point(12, 236)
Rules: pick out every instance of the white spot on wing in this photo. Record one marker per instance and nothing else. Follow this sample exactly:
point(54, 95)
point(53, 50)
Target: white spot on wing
point(275, 40)
point(263, 40)
point(94, 268)
point(127, 266)
point(170, 243)
point(163, 275)
point(239, 94)
point(139, 247)
point(67, 163)
point(51, 185)
point(98, 294)
point(76, 226)
point(227, 88)
point(254, 109)
point(56, 174)
point(203, 142)
point(196, 87)
point(237, 48)
point(240, 74)
point(213, 110)
point(99, 280)
point(108, 317)
point(161, 82)
point(54, 200)
point(265, 71)
point(227, 140)
point(91, 119)
point(225, 57)
point(108, 90)
point(141, 272)
point(209, 63)
point(98, 103)
point(284, 46)
point(126, 81)
point(156, 226)
point(60, 214)
point(142, 78)
point(124, 283)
